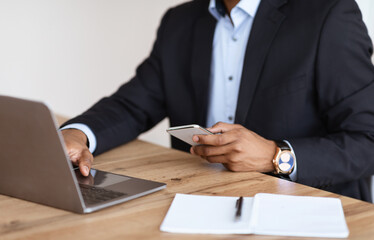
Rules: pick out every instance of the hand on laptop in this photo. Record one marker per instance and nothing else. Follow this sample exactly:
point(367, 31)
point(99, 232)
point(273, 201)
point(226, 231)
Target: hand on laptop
point(76, 145)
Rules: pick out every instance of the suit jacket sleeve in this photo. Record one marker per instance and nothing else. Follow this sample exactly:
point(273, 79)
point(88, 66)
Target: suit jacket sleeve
point(345, 95)
point(134, 108)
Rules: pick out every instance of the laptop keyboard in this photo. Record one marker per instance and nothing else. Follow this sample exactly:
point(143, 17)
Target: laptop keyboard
point(93, 195)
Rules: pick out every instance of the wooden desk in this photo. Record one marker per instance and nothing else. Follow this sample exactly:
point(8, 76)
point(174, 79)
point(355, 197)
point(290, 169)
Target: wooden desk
point(141, 218)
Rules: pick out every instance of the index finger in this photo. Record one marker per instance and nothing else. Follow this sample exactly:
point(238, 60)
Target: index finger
point(85, 163)
point(214, 140)
point(221, 127)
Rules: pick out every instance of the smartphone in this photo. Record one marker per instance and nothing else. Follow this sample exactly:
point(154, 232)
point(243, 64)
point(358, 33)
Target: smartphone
point(186, 132)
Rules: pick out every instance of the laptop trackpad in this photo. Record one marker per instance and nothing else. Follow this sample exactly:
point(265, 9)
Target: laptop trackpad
point(99, 178)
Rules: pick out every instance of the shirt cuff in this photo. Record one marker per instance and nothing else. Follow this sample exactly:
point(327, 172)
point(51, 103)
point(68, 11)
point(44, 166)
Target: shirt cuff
point(87, 131)
point(292, 175)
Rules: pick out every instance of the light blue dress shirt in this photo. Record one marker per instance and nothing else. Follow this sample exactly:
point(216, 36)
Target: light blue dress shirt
point(229, 44)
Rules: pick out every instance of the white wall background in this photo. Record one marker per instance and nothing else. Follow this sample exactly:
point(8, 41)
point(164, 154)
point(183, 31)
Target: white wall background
point(70, 53)
point(367, 9)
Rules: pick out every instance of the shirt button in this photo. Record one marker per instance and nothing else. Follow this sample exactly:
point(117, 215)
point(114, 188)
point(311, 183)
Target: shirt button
point(230, 118)
point(234, 39)
point(231, 78)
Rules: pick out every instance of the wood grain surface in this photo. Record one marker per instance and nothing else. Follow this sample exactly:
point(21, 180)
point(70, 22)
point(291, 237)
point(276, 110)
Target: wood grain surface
point(141, 218)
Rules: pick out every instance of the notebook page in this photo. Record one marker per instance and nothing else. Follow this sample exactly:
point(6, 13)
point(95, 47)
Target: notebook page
point(206, 214)
point(298, 216)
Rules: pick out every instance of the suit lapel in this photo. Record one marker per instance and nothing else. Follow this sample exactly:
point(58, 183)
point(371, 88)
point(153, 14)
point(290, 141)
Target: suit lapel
point(265, 26)
point(200, 63)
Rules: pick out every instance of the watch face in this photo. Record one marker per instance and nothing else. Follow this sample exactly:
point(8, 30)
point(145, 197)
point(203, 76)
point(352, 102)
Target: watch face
point(286, 161)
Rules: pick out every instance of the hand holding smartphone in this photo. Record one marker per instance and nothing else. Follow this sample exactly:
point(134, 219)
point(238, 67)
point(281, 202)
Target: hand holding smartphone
point(186, 132)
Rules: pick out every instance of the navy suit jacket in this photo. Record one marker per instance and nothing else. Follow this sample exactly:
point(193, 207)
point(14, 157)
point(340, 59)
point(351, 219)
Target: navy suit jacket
point(307, 78)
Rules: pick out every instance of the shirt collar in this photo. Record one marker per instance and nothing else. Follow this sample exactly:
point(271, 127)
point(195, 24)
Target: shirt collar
point(217, 7)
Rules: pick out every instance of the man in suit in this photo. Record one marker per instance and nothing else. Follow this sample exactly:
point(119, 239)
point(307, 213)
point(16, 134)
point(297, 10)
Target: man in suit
point(290, 83)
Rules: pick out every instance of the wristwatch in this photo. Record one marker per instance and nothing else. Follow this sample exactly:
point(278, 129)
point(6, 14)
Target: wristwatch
point(284, 159)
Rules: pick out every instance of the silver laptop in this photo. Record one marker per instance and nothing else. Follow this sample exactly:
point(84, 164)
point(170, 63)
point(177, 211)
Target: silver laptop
point(34, 165)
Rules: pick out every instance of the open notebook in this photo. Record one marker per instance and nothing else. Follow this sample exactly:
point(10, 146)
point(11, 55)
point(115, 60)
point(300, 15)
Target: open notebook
point(266, 214)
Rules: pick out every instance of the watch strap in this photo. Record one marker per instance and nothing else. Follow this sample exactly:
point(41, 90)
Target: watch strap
point(282, 145)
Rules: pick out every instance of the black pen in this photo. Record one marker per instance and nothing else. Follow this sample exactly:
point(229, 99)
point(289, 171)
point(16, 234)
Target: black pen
point(239, 206)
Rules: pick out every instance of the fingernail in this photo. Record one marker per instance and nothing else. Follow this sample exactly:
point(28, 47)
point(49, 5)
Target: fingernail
point(192, 151)
point(195, 138)
point(86, 170)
